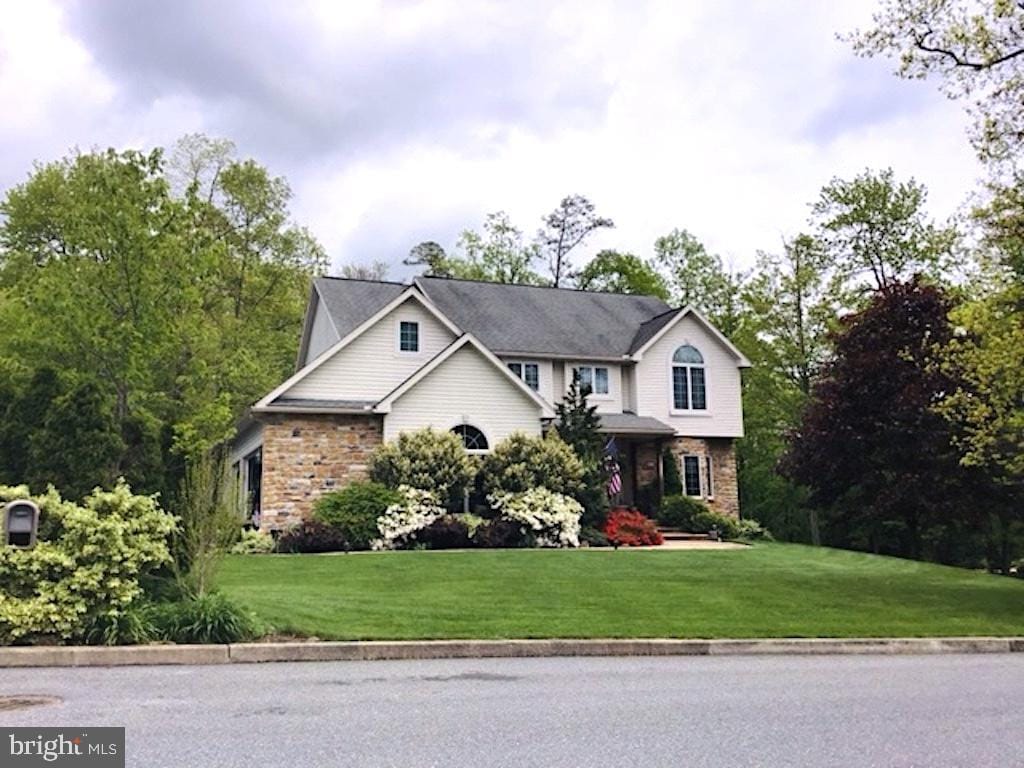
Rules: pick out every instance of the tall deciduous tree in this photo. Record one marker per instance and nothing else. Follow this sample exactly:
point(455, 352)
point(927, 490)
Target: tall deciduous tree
point(566, 228)
point(178, 291)
point(875, 231)
point(622, 273)
point(871, 447)
point(498, 254)
point(783, 332)
point(976, 49)
point(699, 279)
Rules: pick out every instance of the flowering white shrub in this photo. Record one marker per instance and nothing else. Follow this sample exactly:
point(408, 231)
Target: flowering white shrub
point(401, 522)
point(552, 518)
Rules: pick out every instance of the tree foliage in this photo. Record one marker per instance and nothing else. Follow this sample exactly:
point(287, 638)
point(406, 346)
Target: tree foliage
point(175, 289)
point(975, 48)
point(875, 231)
point(622, 273)
point(871, 448)
point(564, 229)
point(699, 279)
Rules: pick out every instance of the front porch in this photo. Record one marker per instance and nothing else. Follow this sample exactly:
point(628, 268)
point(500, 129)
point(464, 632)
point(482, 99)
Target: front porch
point(638, 443)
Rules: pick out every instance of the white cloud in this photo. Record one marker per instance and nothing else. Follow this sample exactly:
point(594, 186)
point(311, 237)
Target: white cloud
point(398, 122)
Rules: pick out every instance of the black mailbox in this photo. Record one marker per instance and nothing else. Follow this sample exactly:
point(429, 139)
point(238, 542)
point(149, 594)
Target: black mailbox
point(21, 519)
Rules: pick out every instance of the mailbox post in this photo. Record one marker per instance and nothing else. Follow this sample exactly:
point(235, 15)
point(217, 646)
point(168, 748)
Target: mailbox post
point(21, 521)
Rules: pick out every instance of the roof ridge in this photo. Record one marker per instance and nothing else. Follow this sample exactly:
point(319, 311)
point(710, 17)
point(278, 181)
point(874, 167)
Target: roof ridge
point(545, 287)
point(361, 280)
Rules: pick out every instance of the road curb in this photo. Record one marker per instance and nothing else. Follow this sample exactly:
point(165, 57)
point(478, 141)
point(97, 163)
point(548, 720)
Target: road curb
point(249, 653)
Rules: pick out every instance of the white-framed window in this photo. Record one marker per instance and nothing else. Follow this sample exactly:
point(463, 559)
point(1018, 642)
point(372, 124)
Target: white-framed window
point(408, 336)
point(698, 475)
point(689, 383)
point(593, 379)
point(473, 439)
point(527, 371)
point(691, 475)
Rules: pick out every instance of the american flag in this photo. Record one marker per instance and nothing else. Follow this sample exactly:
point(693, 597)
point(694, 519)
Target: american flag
point(611, 465)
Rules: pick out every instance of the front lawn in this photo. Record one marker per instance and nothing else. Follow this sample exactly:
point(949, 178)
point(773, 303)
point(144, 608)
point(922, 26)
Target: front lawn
point(771, 590)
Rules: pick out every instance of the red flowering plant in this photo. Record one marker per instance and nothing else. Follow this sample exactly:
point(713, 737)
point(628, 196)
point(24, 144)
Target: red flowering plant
point(630, 528)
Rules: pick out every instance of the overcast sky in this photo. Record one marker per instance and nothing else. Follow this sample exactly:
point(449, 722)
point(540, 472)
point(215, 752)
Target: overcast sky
point(397, 122)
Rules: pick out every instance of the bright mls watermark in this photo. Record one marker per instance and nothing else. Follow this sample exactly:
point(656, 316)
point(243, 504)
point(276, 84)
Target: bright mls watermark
point(82, 747)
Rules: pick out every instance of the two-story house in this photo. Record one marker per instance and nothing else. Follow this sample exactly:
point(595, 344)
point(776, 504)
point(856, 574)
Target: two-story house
point(486, 360)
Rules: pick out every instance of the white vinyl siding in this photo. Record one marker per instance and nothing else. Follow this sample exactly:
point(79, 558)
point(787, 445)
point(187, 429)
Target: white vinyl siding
point(545, 372)
point(371, 365)
point(723, 416)
point(465, 389)
point(611, 402)
point(246, 442)
point(322, 335)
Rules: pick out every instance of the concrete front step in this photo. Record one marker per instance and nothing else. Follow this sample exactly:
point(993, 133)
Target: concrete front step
point(676, 534)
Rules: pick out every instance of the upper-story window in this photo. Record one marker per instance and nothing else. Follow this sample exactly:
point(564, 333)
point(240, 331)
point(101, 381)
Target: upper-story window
point(528, 372)
point(689, 387)
point(593, 379)
point(408, 336)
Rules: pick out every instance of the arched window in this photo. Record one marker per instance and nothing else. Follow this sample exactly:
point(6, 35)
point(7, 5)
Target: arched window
point(472, 438)
point(689, 388)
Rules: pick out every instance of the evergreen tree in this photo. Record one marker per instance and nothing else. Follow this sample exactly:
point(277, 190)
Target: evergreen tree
point(578, 425)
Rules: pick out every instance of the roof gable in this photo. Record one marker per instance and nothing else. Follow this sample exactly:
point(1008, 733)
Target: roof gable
point(466, 340)
point(410, 294)
point(651, 332)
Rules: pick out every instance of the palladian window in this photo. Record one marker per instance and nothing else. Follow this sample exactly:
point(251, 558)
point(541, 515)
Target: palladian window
point(689, 388)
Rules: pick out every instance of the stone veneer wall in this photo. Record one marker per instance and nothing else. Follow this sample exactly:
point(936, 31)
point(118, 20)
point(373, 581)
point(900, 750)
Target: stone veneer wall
point(306, 455)
point(723, 461)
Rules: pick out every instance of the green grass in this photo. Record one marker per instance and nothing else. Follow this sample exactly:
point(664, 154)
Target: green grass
point(771, 590)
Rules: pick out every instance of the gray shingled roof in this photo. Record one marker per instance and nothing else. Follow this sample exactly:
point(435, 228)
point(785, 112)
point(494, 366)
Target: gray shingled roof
point(631, 424)
point(353, 302)
point(341, 405)
point(651, 327)
point(531, 319)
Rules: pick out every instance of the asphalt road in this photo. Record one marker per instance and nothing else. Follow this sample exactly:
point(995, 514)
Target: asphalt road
point(964, 711)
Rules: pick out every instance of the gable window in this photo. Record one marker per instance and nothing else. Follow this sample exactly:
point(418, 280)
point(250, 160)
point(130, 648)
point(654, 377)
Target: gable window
point(689, 387)
point(593, 379)
point(691, 475)
point(528, 372)
point(472, 438)
point(408, 336)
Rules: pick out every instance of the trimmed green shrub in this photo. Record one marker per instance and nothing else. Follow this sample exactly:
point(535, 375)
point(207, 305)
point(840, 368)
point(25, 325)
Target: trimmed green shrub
point(354, 510)
point(87, 578)
point(311, 537)
point(592, 537)
point(211, 618)
point(751, 530)
point(703, 522)
point(678, 511)
point(427, 459)
point(254, 542)
point(521, 463)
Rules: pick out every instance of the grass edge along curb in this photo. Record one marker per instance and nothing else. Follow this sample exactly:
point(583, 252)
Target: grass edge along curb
point(243, 653)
